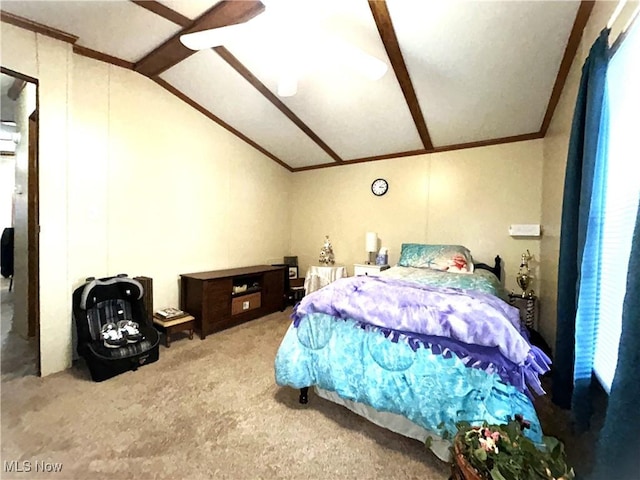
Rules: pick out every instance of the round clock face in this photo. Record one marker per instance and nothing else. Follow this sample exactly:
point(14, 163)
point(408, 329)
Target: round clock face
point(379, 187)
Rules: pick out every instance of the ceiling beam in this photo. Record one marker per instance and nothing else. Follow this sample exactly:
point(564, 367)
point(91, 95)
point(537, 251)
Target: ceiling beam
point(173, 51)
point(269, 95)
point(227, 56)
point(164, 11)
point(582, 17)
point(249, 77)
point(390, 40)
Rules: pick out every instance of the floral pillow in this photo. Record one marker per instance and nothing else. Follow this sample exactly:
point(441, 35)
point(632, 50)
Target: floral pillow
point(448, 258)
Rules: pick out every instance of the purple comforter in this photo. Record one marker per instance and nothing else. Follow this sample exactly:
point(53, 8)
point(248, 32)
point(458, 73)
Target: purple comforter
point(471, 324)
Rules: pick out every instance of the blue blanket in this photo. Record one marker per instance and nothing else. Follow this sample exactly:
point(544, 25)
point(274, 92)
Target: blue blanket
point(476, 326)
point(433, 391)
point(435, 355)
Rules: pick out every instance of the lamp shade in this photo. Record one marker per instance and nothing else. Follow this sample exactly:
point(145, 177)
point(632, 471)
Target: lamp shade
point(371, 243)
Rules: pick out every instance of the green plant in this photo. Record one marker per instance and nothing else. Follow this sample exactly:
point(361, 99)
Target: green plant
point(503, 452)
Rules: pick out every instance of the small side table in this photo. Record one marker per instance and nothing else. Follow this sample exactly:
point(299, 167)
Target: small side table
point(172, 326)
point(528, 307)
point(319, 276)
point(369, 270)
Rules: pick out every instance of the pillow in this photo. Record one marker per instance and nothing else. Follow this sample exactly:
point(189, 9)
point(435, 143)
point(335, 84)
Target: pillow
point(448, 258)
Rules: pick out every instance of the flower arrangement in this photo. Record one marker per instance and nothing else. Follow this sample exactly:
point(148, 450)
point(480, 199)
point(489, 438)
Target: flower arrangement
point(503, 452)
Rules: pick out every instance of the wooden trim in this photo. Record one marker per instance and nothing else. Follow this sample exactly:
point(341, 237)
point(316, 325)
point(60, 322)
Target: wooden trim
point(386, 156)
point(37, 27)
point(33, 231)
point(446, 148)
point(582, 17)
point(103, 57)
point(269, 95)
point(317, 167)
point(486, 143)
point(163, 11)
point(167, 86)
point(16, 87)
point(383, 21)
point(21, 76)
point(173, 51)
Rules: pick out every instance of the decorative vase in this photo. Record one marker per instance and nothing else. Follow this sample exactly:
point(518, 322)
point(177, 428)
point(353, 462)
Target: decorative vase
point(523, 278)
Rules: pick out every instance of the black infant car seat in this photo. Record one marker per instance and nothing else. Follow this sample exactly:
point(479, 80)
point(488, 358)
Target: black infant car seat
point(108, 301)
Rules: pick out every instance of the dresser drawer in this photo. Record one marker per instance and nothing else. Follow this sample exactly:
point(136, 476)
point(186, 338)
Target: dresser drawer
point(245, 303)
point(368, 270)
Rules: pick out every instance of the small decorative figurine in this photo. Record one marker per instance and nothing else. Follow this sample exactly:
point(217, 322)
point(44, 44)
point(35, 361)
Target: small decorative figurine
point(326, 254)
point(523, 278)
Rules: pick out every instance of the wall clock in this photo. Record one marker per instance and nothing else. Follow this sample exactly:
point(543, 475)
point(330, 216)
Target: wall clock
point(379, 187)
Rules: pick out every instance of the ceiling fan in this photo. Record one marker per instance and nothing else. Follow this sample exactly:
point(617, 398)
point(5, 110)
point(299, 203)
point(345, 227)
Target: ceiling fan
point(298, 33)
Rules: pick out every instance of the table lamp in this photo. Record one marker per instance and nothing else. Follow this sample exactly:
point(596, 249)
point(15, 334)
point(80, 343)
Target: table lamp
point(371, 246)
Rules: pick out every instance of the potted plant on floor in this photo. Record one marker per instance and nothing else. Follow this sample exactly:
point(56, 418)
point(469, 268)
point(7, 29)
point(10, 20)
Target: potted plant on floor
point(503, 452)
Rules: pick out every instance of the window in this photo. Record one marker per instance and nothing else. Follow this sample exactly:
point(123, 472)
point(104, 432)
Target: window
point(621, 199)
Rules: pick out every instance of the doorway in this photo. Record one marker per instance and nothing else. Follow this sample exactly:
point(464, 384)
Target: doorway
point(19, 210)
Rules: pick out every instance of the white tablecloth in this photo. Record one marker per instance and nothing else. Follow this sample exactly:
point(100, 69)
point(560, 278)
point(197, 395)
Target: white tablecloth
point(319, 276)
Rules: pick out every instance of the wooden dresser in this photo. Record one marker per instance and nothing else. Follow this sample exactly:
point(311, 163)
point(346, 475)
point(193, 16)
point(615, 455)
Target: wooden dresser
point(220, 299)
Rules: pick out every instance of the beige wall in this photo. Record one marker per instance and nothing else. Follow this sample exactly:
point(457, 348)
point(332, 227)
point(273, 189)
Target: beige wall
point(141, 183)
point(133, 180)
point(467, 197)
point(556, 144)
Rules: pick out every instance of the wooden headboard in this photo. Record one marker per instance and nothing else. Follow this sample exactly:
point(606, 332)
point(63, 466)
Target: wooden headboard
point(496, 269)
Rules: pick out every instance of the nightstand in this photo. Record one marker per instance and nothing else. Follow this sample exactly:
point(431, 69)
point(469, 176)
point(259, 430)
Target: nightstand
point(528, 307)
point(369, 270)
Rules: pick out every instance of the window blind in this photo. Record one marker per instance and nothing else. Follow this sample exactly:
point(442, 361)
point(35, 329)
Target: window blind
point(621, 200)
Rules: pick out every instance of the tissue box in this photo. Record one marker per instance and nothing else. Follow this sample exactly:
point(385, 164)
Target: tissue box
point(382, 259)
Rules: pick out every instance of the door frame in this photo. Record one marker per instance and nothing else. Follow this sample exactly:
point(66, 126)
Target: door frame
point(33, 219)
point(33, 236)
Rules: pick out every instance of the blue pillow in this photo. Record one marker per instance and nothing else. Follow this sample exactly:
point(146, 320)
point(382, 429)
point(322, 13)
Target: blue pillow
point(447, 258)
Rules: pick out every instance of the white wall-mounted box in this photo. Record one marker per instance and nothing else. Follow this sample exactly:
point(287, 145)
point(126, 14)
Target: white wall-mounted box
point(524, 230)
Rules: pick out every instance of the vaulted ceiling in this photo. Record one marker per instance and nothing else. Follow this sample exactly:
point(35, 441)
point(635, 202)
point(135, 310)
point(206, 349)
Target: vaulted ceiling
point(460, 73)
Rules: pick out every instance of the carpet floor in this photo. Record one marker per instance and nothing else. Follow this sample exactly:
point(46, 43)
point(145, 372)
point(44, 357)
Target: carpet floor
point(208, 409)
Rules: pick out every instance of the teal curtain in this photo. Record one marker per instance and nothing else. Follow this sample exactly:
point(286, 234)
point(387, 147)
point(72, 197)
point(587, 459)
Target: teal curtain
point(582, 168)
point(587, 315)
point(618, 455)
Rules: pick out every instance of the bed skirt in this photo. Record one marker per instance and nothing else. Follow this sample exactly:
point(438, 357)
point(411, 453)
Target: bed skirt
point(392, 421)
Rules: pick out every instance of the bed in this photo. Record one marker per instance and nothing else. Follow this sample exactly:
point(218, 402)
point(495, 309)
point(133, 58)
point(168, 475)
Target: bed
point(427, 344)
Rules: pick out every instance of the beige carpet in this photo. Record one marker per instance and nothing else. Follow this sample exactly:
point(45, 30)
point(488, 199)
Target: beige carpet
point(211, 410)
point(207, 409)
